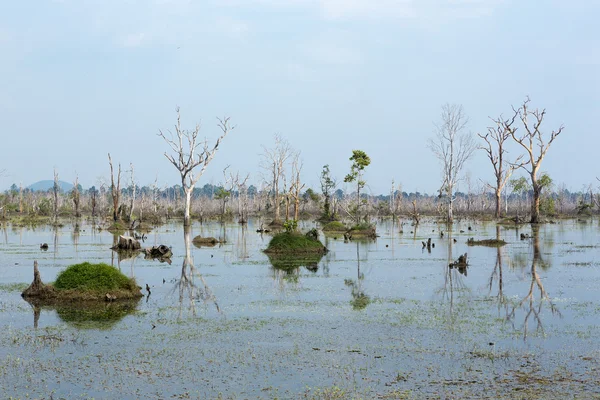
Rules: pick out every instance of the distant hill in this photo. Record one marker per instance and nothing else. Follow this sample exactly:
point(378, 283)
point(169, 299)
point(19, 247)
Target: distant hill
point(43, 186)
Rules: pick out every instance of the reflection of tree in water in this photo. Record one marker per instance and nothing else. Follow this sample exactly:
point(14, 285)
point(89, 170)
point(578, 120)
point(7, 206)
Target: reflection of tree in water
point(497, 275)
point(453, 279)
point(75, 235)
point(360, 300)
point(186, 285)
point(533, 302)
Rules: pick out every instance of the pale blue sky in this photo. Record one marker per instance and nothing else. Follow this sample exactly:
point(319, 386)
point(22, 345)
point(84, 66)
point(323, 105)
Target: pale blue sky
point(81, 78)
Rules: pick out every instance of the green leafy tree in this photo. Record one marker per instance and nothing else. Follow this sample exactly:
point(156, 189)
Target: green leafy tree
point(327, 187)
point(360, 160)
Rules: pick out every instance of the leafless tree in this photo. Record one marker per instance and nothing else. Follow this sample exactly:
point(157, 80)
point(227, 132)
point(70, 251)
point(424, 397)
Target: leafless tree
point(76, 196)
point(453, 147)
point(536, 146)
point(55, 190)
point(115, 191)
point(296, 186)
point(495, 150)
point(132, 200)
point(273, 161)
point(190, 153)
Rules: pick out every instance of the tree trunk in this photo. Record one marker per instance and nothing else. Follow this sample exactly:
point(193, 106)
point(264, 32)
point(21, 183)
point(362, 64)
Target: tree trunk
point(188, 206)
point(498, 202)
point(535, 204)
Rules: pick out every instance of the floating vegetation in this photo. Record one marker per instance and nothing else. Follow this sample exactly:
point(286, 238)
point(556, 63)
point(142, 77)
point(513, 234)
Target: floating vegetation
point(486, 242)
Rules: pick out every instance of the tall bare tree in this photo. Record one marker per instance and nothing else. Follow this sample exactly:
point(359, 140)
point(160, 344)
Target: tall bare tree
point(453, 147)
point(190, 153)
point(132, 200)
point(273, 161)
point(76, 196)
point(495, 150)
point(55, 190)
point(536, 145)
point(115, 191)
point(296, 186)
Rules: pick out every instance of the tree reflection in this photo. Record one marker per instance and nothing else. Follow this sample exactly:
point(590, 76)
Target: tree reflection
point(453, 278)
point(497, 275)
point(533, 302)
point(360, 300)
point(186, 286)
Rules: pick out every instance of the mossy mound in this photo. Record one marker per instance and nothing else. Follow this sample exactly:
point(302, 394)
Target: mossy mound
point(294, 243)
point(199, 241)
point(362, 231)
point(335, 227)
point(486, 242)
point(83, 282)
point(117, 226)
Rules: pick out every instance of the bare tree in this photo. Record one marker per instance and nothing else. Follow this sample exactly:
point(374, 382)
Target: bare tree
point(132, 200)
point(296, 186)
point(274, 160)
point(55, 190)
point(453, 147)
point(495, 150)
point(76, 196)
point(536, 147)
point(115, 191)
point(191, 153)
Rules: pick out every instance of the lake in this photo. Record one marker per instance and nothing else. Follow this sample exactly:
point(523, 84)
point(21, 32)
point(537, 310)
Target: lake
point(384, 318)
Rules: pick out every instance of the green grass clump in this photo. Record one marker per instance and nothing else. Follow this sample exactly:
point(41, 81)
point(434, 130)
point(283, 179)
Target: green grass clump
point(294, 242)
point(93, 277)
point(334, 226)
point(486, 242)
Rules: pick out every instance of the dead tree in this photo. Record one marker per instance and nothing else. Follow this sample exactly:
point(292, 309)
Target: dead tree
point(273, 161)
point(495, 150)
point(55, 190)
point(115, 191)
point(536, 146)
point(453, 147)
point(132, 200)
point(296, 186)
point(190, 153)
point(75, 195)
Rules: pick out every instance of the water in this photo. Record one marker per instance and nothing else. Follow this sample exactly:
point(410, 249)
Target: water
point(382, 318)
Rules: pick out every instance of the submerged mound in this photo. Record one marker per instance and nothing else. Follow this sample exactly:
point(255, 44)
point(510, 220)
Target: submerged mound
point(295, 243)
point(84, 281)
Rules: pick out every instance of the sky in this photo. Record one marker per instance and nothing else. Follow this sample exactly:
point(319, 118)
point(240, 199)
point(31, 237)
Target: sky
point(83, 78)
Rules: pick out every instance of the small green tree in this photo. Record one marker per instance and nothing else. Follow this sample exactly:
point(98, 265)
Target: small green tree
point(360, 160)
point(327, 187)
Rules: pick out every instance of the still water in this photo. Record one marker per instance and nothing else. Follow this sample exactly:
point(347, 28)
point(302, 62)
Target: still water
point(371, 319)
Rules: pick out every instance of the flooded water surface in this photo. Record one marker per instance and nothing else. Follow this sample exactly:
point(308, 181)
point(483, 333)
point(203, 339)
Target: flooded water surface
point(386, 318)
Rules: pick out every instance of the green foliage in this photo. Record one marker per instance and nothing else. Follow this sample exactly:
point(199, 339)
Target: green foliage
point(519, 185)
point(547, 206)
point(363, 226)
point(45, 207)
point(335, 226)
point(290, 225)
point(360, 160)
point(293, 242)
point(222, 194)
point(545, 181)
point(93, 277)
point(327, 187)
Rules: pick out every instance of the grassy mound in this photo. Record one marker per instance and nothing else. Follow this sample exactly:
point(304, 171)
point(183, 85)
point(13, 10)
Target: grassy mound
point(486, 242)
point(335, 226)
point(82, 282)
point(294, 243)
point(93, 277)
point(363, 230)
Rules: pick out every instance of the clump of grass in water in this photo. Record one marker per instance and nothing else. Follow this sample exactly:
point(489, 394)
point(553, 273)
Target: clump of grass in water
point(293, 242)
point(334, 226)
point(93, 277)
